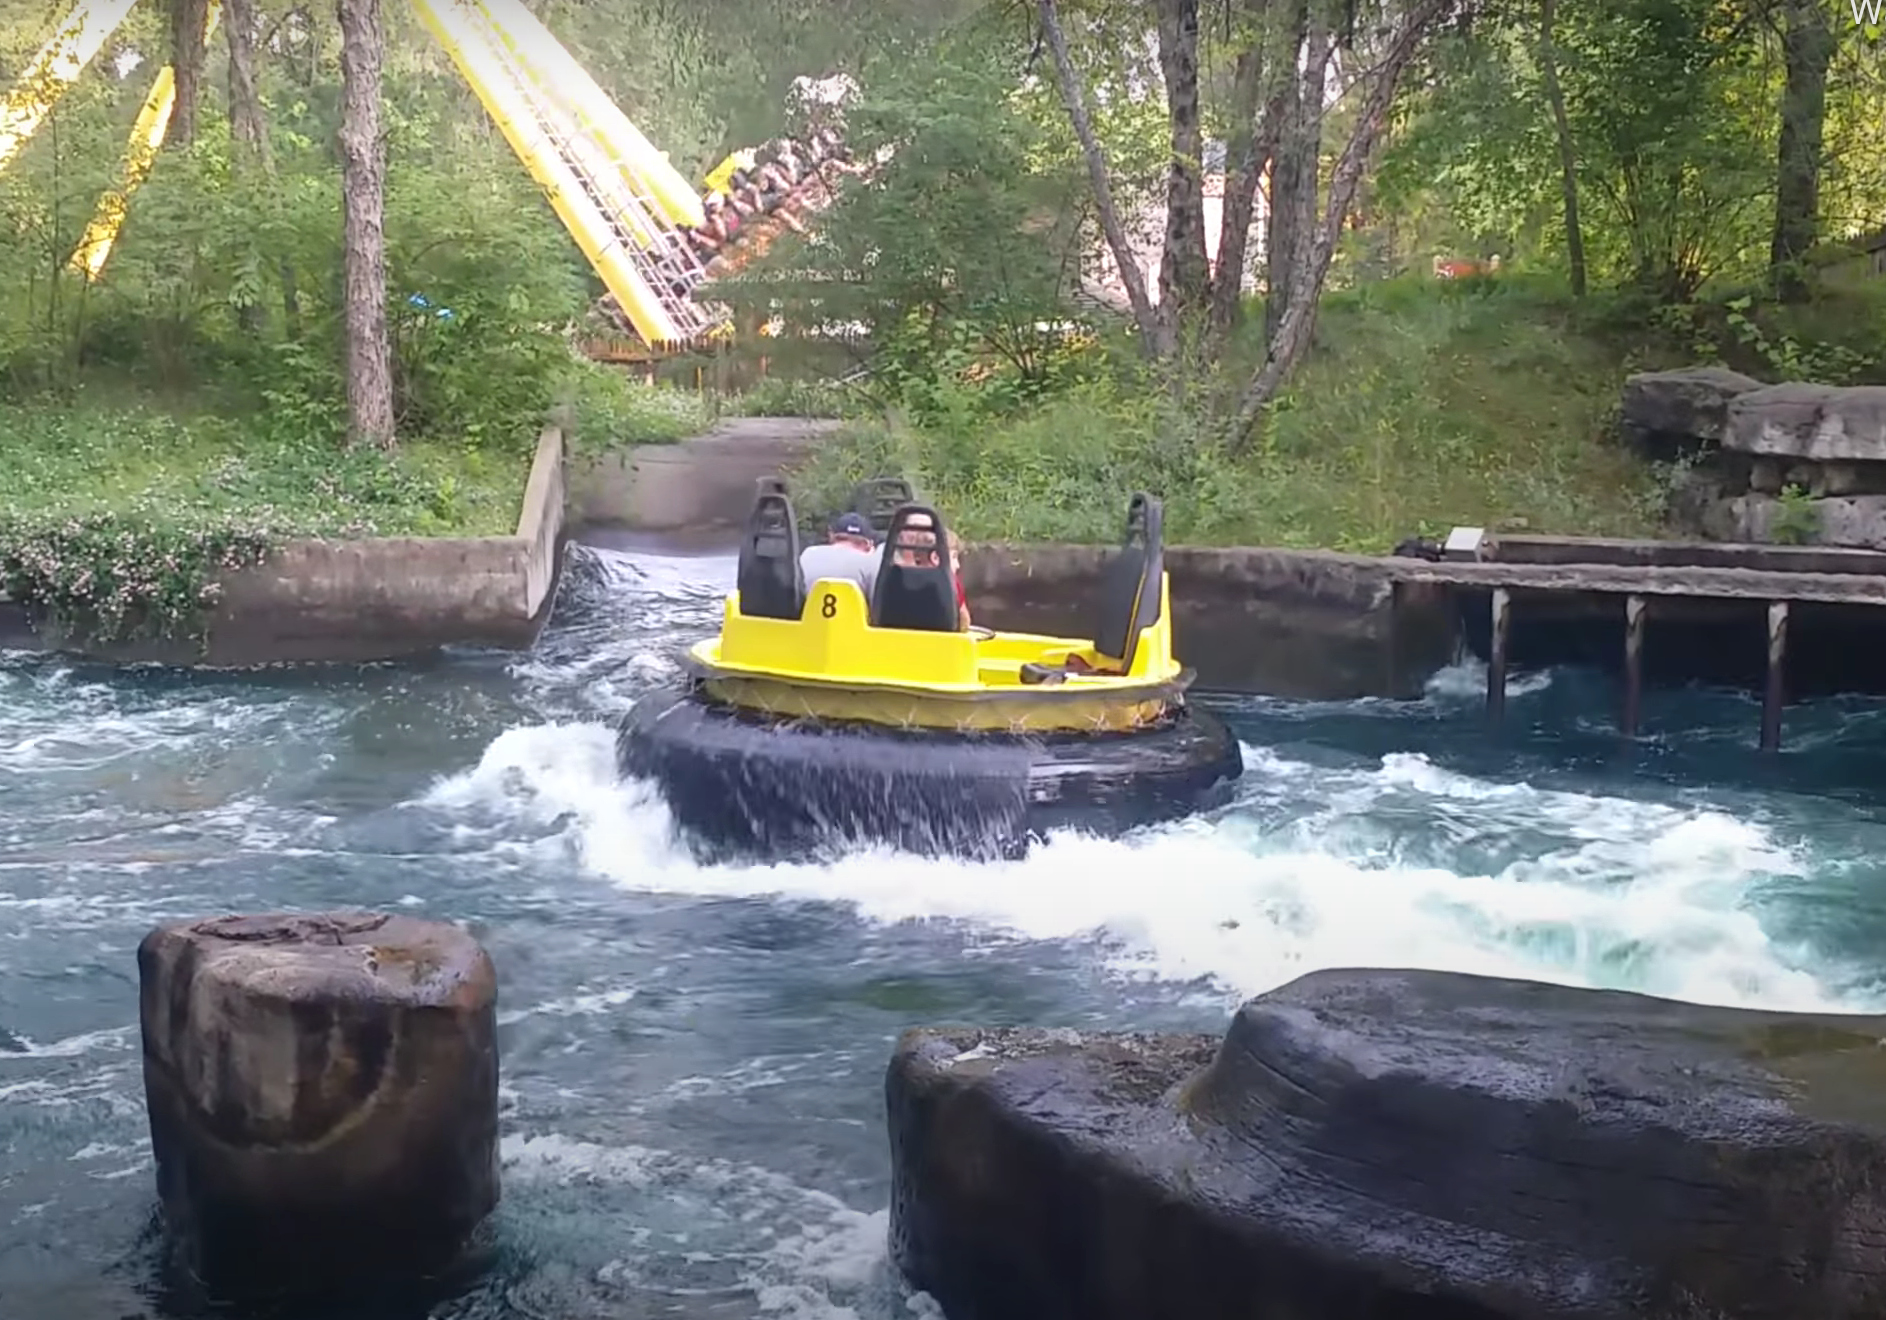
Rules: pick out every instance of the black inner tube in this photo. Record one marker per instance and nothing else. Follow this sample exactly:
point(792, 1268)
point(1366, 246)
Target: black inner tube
point(742, 783)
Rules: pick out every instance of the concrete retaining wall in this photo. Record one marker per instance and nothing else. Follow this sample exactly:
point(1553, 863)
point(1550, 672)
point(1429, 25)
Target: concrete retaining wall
point(381, 598)
point(1306, 624)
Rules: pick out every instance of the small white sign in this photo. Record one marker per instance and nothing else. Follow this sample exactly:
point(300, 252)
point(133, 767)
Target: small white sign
point(1465, 543)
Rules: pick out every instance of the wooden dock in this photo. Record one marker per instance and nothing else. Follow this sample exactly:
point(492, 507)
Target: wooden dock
point(1636, 572)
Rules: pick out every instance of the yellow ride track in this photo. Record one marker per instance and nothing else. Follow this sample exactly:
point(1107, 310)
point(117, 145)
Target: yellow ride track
point(622, 201)
point(56, 67)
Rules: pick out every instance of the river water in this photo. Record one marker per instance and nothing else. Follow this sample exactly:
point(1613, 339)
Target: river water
point(693, 1057)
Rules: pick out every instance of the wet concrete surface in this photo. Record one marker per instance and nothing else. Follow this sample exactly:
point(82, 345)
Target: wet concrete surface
point(702, 483)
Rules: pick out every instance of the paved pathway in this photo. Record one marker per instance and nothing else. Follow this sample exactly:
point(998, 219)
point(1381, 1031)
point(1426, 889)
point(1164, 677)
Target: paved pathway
point(702, 488)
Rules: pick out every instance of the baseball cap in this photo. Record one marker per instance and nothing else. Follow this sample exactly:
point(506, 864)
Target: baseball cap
point(850, 524)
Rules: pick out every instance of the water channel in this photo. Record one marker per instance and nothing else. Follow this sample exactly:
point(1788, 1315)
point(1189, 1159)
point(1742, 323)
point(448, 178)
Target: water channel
point(693, 1056)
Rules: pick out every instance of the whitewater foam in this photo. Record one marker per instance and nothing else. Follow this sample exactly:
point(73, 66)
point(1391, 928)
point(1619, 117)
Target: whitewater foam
point(1595, 890)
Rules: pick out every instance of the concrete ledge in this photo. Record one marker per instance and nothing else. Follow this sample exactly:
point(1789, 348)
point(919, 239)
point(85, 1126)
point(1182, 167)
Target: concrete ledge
point(382, 598)
point(1294, 623)
point(1560, 550)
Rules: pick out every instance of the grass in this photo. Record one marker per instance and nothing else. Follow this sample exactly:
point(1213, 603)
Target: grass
point(780, 396)
point(139, 458)
point(149, 463)
point(606, 408)
point(1420, 408)
point(120, 515)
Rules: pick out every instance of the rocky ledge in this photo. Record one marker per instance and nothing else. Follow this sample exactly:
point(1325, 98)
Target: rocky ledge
point(1415, 1145)
point(1790, 463)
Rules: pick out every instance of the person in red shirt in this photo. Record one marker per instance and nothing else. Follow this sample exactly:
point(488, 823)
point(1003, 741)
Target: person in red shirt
point(962, 598)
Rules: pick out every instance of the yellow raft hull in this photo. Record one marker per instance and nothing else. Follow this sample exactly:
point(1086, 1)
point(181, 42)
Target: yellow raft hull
point(832, 664)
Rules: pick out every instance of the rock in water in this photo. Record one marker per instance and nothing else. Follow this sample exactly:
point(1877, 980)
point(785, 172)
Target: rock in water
point(1401, 1144)
point(323, 1094)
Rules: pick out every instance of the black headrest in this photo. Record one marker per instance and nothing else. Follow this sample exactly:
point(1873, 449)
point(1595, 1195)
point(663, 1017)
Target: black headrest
point(918, 596)
point(771, 518)
point(880, 497)
point(1130, 584)
point(768, 578)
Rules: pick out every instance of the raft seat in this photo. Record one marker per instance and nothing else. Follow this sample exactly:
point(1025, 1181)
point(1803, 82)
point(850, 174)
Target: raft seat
point(878, 499)
point(920, 596)
point(769, 581)
point(1130, 592)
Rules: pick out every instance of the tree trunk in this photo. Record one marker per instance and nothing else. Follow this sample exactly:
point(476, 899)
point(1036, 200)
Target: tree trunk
point(1184, 269)
point(1294, 166)
point(1252, 137)
point(1568, 164)
point(187, 20)
point(249, 129)
point(1155, 334)
point(1306, 283)
point(363, 202)
point(1807, 44)
point(246, 122)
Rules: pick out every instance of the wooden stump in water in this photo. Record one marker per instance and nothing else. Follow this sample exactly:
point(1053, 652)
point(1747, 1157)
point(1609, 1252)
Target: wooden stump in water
point(322, 1092)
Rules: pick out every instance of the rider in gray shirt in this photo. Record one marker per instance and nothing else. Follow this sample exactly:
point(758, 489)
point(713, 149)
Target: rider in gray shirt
point(852, 552)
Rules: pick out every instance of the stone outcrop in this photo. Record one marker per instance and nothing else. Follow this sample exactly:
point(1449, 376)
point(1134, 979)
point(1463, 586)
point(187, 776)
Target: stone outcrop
point(1376, 1143)
point(1810, 424)
point(323, 1095)
point(1667, 414)
point(1790, 463)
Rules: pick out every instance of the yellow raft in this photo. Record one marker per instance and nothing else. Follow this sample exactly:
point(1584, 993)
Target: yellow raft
point(819, 719)
point(821, 651)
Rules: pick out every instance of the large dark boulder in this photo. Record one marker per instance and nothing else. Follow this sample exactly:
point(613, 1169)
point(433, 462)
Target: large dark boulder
point(1417, 1145)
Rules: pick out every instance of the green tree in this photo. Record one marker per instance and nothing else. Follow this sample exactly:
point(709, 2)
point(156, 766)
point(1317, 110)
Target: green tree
point(187, 21)
point(1306, 219)
point(1807, 47)
point(967, 246)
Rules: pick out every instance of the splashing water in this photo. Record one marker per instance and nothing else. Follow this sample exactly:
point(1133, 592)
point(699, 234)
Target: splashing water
point(693, 1055)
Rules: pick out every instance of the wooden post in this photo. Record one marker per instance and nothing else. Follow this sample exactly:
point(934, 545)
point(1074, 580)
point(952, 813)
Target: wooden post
point(1633, 663)
point(1496, 656)
point(1773, 693)
point(390, 1025)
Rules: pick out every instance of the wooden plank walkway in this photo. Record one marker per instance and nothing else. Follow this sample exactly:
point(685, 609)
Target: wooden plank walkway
point(1635, 583)
point(1625, 580)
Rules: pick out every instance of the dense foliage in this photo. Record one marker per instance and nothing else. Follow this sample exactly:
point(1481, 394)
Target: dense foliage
point(1664, 180)
point(212, 348)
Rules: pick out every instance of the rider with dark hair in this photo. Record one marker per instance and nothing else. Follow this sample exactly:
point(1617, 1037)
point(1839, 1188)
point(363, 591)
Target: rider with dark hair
point(778, 175)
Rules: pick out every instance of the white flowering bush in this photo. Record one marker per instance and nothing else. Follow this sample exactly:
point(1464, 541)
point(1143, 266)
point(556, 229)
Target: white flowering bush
point(120, 575)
